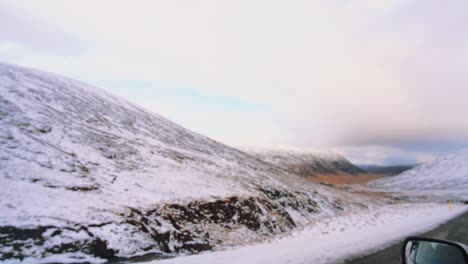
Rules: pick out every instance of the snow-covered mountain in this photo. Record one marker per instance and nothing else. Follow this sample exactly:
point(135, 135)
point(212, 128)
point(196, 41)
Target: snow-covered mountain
point(86, 175)
point(305, 162)
point(447, 176)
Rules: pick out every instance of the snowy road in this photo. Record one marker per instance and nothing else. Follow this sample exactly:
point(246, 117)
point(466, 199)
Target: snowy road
point(335, 239)
point(456, 230)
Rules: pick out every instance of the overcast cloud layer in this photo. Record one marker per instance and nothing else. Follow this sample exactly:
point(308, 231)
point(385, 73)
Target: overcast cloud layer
point(378, 81)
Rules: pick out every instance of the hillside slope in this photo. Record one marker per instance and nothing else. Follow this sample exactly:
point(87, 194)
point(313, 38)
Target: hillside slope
point(307, 163)
point(446, 176)
point(88, 176)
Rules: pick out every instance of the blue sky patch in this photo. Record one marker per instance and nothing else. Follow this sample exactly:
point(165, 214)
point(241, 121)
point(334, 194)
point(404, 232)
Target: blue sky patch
point(139, 90)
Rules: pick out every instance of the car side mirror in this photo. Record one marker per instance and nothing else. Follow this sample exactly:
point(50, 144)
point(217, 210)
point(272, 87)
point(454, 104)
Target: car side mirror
point(421, 250)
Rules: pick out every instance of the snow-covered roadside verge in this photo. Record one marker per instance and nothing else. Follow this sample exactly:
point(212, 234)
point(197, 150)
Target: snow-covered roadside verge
point(334, 239)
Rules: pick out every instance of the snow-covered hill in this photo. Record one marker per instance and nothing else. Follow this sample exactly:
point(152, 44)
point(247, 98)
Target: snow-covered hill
point(306, 163)
point(446, 177)
point(86, 175)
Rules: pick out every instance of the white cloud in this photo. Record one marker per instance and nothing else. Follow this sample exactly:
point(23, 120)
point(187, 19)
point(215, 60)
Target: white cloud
point(384, 155)
point(333, 73)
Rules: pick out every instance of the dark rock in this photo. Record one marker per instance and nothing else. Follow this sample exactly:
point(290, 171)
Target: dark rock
point(44, 129)
point(188, 221)
point(327, 184)
point(20, 239)
point(82, 188)
point(99, 248)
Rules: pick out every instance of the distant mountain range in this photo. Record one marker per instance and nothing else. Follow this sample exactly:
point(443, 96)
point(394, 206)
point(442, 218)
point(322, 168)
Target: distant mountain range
point(446, 177)
point(386, 170)
point(86, 175)
point(307, 163)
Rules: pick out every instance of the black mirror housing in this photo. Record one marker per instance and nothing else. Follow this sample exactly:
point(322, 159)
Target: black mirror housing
point(423, 250)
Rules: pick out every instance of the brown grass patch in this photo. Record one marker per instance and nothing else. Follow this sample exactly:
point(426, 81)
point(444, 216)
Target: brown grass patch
point(343, 179)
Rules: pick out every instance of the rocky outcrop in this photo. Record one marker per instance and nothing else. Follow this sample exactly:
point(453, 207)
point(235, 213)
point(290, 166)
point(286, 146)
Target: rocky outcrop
point(169, 228)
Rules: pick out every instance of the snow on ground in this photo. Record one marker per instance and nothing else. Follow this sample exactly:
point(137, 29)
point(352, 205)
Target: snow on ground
point(333, 239)
point(63, 138)
point(82, 167)
point(305, 162)
point(89, 176)
point(445, 178)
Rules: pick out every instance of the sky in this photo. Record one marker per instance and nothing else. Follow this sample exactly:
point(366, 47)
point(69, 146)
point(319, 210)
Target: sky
point(380, 82)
